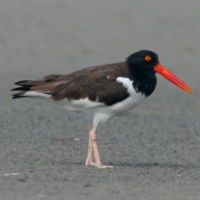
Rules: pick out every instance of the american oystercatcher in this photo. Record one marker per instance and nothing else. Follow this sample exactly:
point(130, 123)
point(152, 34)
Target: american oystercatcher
point(108, 90)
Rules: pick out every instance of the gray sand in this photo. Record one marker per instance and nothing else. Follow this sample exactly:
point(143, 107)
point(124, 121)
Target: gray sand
point(43, 146)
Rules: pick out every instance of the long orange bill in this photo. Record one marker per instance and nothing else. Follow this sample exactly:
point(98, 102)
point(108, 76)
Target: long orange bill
point(172, 78)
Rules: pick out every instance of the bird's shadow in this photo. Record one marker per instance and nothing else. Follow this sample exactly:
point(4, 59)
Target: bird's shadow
point(166, 165)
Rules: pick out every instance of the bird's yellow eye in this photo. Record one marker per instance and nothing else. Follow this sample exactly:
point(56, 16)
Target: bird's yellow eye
point(148, 58)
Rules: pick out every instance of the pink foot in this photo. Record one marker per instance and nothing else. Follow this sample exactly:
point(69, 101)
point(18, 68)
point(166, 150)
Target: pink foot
point(93, 157)
point(100, 166)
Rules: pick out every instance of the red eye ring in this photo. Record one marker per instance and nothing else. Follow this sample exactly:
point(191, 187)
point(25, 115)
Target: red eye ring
point(148, 58)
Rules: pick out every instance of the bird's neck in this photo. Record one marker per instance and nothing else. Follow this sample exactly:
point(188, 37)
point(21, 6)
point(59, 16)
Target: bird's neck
point(144, 83)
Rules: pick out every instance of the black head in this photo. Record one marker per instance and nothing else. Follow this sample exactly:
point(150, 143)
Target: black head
point(143, 65)
point(143, 62)
point(142, 68)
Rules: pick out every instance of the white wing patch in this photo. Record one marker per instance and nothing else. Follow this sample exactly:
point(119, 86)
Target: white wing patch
point(127, 83)
point(132, 100)
point(84, 103)
point(35, 94)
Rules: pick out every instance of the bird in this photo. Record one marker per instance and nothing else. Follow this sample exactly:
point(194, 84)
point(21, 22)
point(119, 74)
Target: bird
point(106, 90)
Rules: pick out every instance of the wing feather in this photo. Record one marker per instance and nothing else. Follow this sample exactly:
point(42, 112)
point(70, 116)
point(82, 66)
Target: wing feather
point(96, 83)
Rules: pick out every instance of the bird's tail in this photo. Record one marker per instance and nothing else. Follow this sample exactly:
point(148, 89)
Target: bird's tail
point(38, 88)
point(28, 88)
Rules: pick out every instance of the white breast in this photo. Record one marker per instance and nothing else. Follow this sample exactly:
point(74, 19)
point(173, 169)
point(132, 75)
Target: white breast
point(103, 114)
point(132, 100)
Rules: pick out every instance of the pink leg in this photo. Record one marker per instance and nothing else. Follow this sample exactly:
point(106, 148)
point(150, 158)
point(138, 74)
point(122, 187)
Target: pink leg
point(93, 157)
point(89, 158)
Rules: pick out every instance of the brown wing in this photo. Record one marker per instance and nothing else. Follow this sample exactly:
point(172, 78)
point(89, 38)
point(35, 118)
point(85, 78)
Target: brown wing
point(95, 83)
